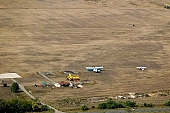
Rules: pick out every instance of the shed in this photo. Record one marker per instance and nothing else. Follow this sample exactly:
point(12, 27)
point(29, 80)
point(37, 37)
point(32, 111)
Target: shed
point(9, 75)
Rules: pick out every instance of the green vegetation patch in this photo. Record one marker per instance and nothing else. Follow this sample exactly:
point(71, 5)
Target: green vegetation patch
point(21, 106)
point(167, 6)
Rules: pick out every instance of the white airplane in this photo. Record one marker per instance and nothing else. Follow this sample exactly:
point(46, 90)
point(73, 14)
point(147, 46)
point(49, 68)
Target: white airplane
point(141, 68)
point(95, 69)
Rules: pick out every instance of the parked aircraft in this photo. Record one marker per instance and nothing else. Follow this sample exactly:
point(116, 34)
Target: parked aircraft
point(95, 69)
point(141, 68)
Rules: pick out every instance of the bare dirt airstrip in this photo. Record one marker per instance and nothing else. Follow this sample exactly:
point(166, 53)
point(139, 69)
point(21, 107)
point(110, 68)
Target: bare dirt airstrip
point(56, 35)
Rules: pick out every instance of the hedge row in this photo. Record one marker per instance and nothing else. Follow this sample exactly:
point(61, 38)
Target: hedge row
point(110, 104)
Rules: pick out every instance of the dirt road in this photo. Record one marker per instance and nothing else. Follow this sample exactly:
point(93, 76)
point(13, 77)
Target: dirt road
point(31, 96)
point(42, 74)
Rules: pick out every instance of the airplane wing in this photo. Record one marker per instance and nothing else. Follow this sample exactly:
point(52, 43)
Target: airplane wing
point(95, 69)
point(141, 68)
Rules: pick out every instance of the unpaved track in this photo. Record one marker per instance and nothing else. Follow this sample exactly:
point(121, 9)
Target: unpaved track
point(43, 75)
point(23, 89)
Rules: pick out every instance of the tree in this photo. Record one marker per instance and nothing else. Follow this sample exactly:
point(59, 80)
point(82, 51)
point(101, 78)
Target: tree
point(25, 105)
point(102, 105)
point(15, 87)
point(111, 104)
point(130, 104)
point(167, 103)
point(84, 107)
point(2, 106)
point(44, 108)
point(21, 106)
point(35, 106)
point(148, 105)
point(119, 105)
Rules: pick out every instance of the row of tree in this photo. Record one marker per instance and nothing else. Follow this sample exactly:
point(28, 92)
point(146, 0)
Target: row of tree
point(21, 106)
point(110, 104)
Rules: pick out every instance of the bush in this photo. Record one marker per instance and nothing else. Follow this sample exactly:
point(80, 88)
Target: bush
point(14, 87)
point(84, 107)
point(110, 104)
point(167, 6)
point(26, 105)
point(102, 106)
point(2, 106)
point(148, 105)
point(119, 105)
point(130, 104)
point(44, 108)
point(18, 106)
point(35, 106)
point(167, 103)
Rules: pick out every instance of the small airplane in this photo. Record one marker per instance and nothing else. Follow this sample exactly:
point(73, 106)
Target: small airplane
point(141, 68)
point(95, 69)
